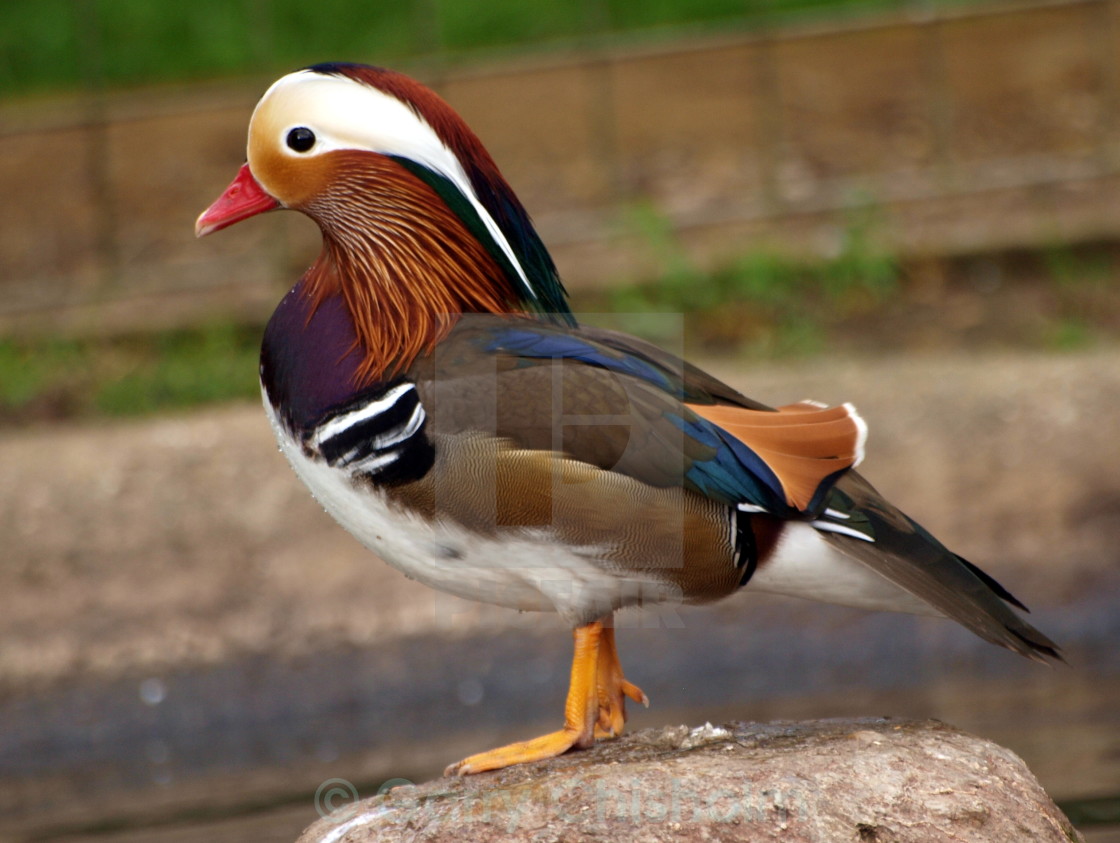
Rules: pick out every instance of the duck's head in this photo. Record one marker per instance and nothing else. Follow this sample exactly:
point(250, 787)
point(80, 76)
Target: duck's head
point(408, 199)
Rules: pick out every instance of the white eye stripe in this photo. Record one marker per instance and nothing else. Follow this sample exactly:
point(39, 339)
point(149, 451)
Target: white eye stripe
point(345, 114)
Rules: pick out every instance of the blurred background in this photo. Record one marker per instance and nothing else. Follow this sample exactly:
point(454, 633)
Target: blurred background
point(908, 205)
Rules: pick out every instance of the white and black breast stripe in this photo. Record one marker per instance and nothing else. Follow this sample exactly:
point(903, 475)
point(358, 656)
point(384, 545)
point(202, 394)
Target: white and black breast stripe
point(379, 436)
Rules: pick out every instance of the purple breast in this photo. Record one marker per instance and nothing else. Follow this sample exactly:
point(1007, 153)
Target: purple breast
point(308, 360)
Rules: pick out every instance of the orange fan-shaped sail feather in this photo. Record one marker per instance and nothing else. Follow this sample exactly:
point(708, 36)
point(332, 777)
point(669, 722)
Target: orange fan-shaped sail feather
point(804, 444)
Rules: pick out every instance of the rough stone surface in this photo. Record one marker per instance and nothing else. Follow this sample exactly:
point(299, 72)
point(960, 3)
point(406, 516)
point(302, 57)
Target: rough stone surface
point(827, 780)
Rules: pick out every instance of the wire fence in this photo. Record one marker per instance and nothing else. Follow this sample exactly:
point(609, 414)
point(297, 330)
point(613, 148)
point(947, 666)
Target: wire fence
point(961, 129)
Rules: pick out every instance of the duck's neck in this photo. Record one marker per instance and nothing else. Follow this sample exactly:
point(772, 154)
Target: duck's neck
point(403, 264)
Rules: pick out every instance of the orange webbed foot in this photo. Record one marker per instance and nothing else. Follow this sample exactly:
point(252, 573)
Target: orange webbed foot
point(595, 707)
point(613, 689)
point(537, 749)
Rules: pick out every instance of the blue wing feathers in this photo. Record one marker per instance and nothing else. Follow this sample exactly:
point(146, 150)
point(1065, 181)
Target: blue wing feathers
point(549, 345)
point(732, 474)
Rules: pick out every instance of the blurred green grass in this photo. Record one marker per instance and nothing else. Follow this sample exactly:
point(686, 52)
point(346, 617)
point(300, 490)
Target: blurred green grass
point(50, 378)
point(51, 45)
point(764, 305)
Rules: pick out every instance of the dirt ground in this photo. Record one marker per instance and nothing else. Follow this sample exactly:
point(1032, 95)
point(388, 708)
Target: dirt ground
point(149, 545)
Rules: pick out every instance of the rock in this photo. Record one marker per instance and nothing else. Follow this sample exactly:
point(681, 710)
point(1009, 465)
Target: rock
point(823, 780)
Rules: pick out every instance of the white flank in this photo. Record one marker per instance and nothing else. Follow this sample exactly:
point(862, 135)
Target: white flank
point(805, 565)
point(525, 569)
point(345, 114)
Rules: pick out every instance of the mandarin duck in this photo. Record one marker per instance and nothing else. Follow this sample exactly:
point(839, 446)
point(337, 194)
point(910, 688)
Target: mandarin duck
point(428, 382)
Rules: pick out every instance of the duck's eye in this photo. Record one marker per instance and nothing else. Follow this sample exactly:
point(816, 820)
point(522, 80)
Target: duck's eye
point(301, 139)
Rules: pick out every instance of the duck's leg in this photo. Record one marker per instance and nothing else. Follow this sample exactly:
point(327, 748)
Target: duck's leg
point(613, 689)
point(594, 706)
